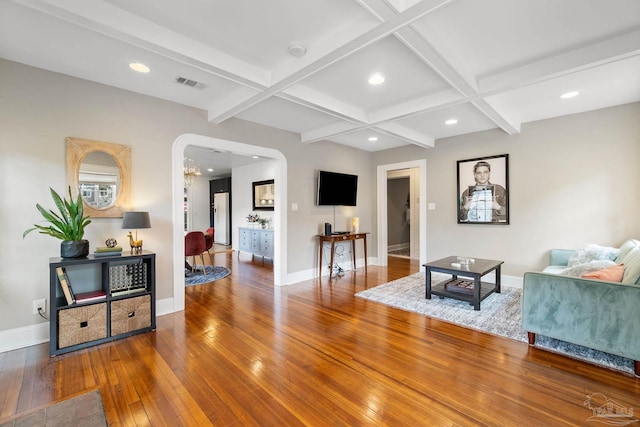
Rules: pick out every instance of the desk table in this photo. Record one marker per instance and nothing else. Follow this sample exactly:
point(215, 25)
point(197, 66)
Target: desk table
point(350, 237)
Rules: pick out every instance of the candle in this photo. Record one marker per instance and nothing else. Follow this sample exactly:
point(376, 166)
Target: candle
point(355, 224)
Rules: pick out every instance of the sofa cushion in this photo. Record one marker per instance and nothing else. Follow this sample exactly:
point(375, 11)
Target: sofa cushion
point(632, 266)
point(625, 248)
point(610, 274)
point(554, 269)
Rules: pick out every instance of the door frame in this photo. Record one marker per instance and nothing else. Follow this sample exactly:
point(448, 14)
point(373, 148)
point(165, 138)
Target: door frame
point(382, 171)
point(279, 218)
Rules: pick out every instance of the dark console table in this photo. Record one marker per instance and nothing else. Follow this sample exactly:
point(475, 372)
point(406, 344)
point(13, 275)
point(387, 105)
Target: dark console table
point(466, 290)
point(349, 237)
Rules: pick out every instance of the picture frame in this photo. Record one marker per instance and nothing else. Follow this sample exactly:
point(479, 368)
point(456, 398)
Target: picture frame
point(483, 190)
point(264, 195)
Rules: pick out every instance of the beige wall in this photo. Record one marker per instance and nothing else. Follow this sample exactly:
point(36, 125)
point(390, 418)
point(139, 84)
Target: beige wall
point(572, 181)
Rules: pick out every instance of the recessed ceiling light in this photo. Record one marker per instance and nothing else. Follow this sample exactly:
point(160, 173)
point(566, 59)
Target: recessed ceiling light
point(568, 95)
point(376, 79)
point(256, 157)
point(373, 138)
point(141, 68)
point(451, 122)
point(210, 170)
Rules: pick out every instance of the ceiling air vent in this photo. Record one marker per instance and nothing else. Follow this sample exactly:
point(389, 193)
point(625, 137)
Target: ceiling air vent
point(191, 83)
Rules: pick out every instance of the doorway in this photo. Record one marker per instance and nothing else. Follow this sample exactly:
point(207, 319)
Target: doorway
point(280, 212)
point(418, 211)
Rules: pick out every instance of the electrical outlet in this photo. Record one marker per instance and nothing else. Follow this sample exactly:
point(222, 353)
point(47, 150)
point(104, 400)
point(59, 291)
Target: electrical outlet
point(40, 304)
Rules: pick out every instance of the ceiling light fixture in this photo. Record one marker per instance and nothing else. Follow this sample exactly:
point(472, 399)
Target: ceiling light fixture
point(191, 171)
point(255, 157)
point(297, 49)
point(373, 138)
point(139, 67)
point(451, 122)
point(210, 170)
point(568, 95)
point(376, 79)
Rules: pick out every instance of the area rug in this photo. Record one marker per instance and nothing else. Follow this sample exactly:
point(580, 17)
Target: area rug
point(499, 315)
point(213, 273)
point(84, 410)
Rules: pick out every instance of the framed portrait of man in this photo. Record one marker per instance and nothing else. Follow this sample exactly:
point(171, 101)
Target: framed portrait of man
point(483, 190)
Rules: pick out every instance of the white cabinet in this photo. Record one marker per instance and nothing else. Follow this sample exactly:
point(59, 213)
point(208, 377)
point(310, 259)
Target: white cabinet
point(256, 241)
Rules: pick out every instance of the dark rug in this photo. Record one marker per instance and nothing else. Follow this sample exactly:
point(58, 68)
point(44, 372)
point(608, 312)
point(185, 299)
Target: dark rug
point(213, 273)
point(85, 410)
point(500, 314)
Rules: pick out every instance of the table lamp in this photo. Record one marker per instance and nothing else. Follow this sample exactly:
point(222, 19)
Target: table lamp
point(135, 220)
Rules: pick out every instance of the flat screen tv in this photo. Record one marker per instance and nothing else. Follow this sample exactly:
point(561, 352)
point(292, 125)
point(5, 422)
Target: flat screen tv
point(337, 189)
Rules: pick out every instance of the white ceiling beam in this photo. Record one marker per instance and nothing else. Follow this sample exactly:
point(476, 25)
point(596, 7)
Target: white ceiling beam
point(424, 104)
point(382, 119)
point(334, 130)
point(429, 48)
point(397, 131)
point(596, 54)
point(104, 18)
point(303, 95)
point(503, 122)
point(377, 33)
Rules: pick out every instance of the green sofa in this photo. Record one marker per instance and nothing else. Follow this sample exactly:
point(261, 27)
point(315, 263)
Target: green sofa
point(592, 313)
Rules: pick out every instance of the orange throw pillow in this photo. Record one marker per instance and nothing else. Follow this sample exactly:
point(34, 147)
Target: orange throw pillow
point(610, 274)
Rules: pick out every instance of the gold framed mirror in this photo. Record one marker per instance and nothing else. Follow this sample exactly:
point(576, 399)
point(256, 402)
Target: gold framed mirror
point(100, 171)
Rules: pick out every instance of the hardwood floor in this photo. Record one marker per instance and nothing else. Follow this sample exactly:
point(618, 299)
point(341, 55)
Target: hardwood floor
point(246, 353)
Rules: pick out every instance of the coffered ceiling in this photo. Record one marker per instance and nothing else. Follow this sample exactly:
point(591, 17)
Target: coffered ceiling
point(487, 64)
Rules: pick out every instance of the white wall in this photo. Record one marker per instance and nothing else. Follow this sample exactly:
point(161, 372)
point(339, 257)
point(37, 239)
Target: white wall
point(241, 187)
point(199, 206)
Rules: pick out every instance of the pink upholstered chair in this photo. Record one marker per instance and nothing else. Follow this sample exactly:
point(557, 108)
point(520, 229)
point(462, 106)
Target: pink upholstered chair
point(195, 244)
point(208, 237)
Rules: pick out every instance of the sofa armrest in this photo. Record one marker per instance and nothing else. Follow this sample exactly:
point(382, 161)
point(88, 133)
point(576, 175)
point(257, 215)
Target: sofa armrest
point(592, 313)
point(560, 256)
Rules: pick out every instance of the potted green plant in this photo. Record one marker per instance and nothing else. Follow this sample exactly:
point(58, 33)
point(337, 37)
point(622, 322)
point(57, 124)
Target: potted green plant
point(67, 225)
point(263, 222)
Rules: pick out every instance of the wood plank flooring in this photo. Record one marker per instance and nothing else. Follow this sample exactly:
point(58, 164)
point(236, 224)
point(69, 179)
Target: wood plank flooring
point(244, 353)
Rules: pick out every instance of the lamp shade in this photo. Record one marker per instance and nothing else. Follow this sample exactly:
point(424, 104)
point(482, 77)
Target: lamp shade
point(135, 220)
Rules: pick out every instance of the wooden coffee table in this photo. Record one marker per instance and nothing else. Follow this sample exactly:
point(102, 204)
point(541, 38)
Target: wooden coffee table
point(471, 288)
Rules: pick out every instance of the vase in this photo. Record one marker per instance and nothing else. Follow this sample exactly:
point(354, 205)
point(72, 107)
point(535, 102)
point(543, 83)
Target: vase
point(74, 248)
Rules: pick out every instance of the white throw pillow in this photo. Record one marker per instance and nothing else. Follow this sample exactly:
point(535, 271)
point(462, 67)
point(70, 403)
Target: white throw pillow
point(593, 253)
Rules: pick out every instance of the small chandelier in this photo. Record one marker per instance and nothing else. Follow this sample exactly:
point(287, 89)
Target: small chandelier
point(191, 171)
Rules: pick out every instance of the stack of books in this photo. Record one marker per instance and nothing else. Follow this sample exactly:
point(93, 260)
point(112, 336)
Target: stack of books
point(72, 297)
point(107, 251)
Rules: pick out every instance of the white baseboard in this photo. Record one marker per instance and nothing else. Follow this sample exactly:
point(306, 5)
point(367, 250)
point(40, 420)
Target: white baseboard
point(398, 247)
point(25, 336)
point(310, 274)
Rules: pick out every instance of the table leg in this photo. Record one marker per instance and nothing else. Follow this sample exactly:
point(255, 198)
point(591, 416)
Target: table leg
point(320, 260)
point(428, 283)
point(365, 252)
point(498, 288)
point(333, 251)
point(353, 253)
point(476, 292)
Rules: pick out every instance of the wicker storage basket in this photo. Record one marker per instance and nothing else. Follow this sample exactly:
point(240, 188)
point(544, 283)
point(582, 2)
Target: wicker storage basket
point(82, 324)
point(130, 314)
